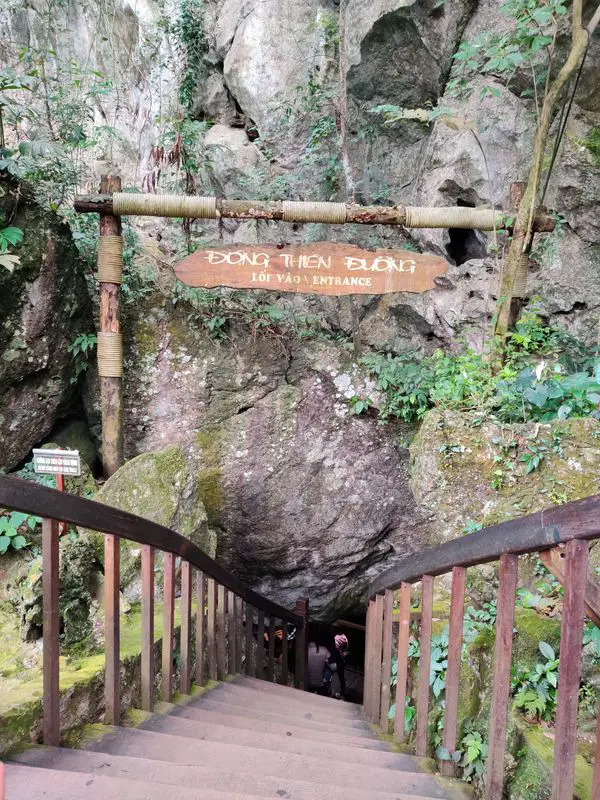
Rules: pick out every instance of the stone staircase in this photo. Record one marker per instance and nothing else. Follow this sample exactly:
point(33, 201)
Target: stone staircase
point(241, 739)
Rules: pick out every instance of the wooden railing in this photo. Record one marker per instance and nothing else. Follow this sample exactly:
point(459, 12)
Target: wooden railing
point(226, 609)
point(571, 526)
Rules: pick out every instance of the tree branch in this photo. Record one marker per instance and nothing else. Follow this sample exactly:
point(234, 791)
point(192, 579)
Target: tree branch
point(577, 17)
point(594, 22)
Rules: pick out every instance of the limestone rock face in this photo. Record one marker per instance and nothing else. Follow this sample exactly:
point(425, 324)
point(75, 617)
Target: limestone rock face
point(44, 305)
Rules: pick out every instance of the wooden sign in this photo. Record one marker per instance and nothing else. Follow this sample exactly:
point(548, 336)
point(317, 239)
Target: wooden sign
point(320, 268)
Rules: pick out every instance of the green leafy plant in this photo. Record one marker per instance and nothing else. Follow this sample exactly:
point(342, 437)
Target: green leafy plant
point(474, 756)
point(80, 349)
point(13, 527)
point(533, 456)
point(535, 689)
point(9, 236)
point(358, 405)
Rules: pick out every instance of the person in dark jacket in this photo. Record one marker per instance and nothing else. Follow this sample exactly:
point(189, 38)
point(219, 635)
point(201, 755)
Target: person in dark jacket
point(325, 659)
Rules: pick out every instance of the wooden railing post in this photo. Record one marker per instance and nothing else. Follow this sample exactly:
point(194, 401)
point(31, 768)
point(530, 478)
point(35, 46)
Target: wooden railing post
point(424, 665)
point(168, 626)
point(505, 619)
point(457, 610)
point(239, 633)
point(51, 632)
point(221, 633)
point(569, 670)
point(186, 625)
point(285, 656)
point(249, 667)
point(260, 646)
point(147, 658)
point(200, 631)
point(271, 651)
point(231, 633)
point(211, 627)
point(367, 682)
point(386, 664)
point(301, 666)
point(376, 651)
point(112, 691)
point(402, 673)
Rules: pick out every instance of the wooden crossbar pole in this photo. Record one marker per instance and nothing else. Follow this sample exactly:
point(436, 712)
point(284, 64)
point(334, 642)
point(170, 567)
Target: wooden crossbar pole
point(152, 205)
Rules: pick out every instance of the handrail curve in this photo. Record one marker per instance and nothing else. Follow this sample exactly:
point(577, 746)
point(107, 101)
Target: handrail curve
point(579, 519)
point(42, 501)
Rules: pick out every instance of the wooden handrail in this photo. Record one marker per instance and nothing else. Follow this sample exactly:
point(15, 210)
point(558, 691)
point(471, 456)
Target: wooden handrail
point(579, 519)
point(41, 501)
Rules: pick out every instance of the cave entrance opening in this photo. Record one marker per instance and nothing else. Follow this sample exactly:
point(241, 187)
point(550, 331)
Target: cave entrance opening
point(311, 275)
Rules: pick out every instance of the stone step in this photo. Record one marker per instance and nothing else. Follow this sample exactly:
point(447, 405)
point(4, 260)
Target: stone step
point(414, 786)
point(284, 743)
point(311, 731)
point(277, 690)
point(295, 700)
point(256, 701)
point(355, 729)
point(227, 757)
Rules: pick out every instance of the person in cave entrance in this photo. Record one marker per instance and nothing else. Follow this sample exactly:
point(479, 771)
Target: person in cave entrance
point(326, 657)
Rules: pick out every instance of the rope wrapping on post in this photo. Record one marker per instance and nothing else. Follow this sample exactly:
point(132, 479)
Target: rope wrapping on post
point(481, 219)
point(164, 205)
point(520, 284)
point(110, 259)
point(110, 355)
point(331, 213)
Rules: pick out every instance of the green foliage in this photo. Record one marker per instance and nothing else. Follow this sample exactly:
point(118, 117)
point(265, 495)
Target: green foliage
point(80, 349)
point(535, 689)
point(359, 404)
point(592, 143)
point(548, 374)
point(474, 754)
point(9, 236)
point(191, 34)
point(13, 529)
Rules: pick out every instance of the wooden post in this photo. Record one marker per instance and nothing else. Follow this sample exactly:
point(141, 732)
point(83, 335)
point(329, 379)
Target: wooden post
point(112, 639)
point(569, 671)
point(168, 626)
point(260, 646)
point(402, 673)
point(147, 628)
point(375, 663)
point(501, 687)
point(239, 633)
point(284, 656)
point(211, 629)
point(200, 630)
point(221, 633)
point(109, 369)
point(386, 664)
point(248, 666)
point(301, 667)
point(367, 683)
point(424, 665)
point(51, 622)
point(232, 633)
point(271, 658)
point(186, 626)
point(457, 611)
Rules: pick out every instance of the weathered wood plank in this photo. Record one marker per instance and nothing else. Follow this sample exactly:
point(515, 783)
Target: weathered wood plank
point(271, 651)
point(579, 519)
point(211, 629)
point(427, 584)
point(301, 609)
point(501, 686)
point(402, 674)
point(260, 646)
point(376, 655)
point(112, 690)
point(386, 663)
point(186, 626)
point(147, 655)
point(51, 632)
point(368, 682)
point(231, 634)
point(457, 610)
point(221, 633)
point(168, 627)
point(569, 671)
point(285, 670)
point(553, 560)
point(200, 628)
point(239, 633)
point(249, 667)
point(42, 501)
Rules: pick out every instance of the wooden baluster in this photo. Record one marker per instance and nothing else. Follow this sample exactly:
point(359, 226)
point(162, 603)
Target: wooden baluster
point(300, 680)
point(221, 634)
point(376, 651)
point(260, 646)
point(249, 666)
point(212, 629)
point(186, 626)
point(285, 669)
point(271, 657)
point(424, 665)
point(168, 626)
point(367, 682)
point(386, 664)
point(402, 673)
point(147, 667)
point(505, 619)
point(596, 786)
point(569, 671)
point(239, 633)
point(112, 691)
point(2, 782)
point(457, 610)
point(200, 631)
point(232, 633)
point(51, 622)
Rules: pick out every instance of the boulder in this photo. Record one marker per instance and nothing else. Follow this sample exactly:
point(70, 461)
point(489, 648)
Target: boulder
point(44, 305)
